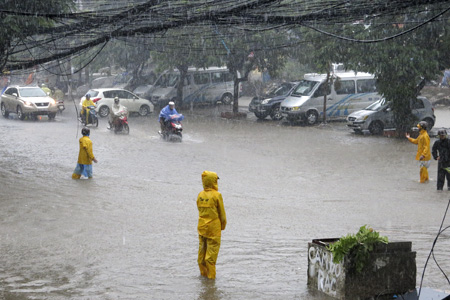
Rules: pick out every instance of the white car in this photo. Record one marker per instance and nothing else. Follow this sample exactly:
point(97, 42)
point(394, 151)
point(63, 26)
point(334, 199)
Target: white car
point(379, 116)
point(104, 99)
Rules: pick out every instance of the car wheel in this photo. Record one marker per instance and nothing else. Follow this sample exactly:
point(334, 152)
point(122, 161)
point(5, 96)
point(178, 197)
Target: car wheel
point(276, 113)
point(311, 117)
point(376, 128)
point(51, 116)
point(103, 111)
point(20, 113)
point(227, 99)
point(430, 123)
point(144, 110)
point(261, 116)
point(5, 113)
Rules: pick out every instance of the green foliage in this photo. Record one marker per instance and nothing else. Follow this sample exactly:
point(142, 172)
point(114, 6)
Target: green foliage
point(356, 247)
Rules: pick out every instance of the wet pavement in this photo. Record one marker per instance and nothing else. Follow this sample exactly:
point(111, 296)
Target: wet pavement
point(130, 233)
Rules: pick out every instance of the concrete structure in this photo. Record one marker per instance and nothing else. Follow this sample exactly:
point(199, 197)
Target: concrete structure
point(390, 270)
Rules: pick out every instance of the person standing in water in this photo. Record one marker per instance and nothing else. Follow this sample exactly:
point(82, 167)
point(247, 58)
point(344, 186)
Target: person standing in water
point(211, 221)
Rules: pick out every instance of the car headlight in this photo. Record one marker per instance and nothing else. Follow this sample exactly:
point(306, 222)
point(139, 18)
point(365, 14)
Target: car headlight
point(265, 101)
point(27, 103)
point(52, 101)
point(295, 108)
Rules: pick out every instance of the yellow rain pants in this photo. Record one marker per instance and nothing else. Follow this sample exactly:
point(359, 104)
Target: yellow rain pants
point(211, 221)
point(208, 250)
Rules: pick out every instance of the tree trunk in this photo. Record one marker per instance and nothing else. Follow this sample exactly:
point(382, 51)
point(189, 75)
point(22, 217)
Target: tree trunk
point(183, 73)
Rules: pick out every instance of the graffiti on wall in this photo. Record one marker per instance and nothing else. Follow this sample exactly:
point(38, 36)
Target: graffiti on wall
point(322, 267)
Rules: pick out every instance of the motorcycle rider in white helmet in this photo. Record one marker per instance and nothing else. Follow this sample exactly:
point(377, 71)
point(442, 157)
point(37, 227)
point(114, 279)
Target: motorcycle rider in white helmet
point(116, 108)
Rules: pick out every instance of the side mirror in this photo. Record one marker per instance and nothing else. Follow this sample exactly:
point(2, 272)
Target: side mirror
point(15, 95)
point(388, 109)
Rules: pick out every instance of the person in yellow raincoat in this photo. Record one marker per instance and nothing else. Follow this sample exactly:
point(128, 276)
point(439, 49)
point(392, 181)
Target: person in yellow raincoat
point(46, 89)
point(84, 110)
point(423, 150)
point(211, 221)
point(85, 156)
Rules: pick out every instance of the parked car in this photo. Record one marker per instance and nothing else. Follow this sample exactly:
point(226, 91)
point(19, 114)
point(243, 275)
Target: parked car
point(104, 99)
point(144, 91)
point(29, 101)
point(269, 103)
point(379, 116)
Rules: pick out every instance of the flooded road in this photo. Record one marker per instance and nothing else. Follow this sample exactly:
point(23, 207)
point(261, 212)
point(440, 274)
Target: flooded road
point(130, 233)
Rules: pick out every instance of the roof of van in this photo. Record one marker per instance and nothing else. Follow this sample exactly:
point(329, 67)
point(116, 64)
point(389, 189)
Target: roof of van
point(192, 69)
point(320, 77)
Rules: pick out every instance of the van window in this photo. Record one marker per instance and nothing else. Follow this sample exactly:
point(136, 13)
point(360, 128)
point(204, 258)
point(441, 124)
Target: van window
point(366, 85)
point(304, 88)
point(218, 77)
point(228, 76)
point(201, 78)
point(344, 87)
point(324, 89)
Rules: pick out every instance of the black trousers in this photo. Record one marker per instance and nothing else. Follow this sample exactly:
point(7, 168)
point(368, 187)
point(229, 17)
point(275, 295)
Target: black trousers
point(442, 174)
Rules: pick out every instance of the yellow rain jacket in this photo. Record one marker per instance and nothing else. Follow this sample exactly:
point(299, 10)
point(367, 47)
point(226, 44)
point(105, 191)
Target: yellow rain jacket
point(211, 212)
point(423, 145)
point(86, 156)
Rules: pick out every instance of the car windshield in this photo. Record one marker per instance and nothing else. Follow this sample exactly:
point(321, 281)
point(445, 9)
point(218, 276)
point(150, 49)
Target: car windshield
point(305, 88)
point(167, 80)
point(276, 91)
point(377, 106)
point(32, 92)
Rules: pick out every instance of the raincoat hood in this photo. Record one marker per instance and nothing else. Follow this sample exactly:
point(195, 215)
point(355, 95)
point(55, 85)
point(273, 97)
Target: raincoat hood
point(209, 180)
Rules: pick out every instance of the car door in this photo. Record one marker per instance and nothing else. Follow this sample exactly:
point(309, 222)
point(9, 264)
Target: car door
point(126, 99)
point(9, 99)
point(345, 99)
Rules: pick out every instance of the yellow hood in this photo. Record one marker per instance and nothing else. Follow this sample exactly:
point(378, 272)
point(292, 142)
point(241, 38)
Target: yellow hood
point(209, 180)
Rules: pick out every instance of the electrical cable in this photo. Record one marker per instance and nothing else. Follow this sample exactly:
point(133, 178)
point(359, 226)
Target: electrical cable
point(432, 248)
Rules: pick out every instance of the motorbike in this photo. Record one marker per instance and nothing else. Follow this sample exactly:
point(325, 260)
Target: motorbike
point(120, 124)
point(92, 119)
point(61, 106)
point(173, 128)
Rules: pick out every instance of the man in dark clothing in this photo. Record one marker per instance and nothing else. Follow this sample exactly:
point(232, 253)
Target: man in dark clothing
point(441, 153)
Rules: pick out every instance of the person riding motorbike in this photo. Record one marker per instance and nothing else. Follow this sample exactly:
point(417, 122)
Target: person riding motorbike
point(84, 108)
point(115, 112)
point(165, 114)
point(46, 89)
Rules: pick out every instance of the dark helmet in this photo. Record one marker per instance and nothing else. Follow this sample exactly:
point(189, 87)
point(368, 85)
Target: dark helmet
point(85, 131)
point(88, 96)
point(422, 125)
point(442, 132)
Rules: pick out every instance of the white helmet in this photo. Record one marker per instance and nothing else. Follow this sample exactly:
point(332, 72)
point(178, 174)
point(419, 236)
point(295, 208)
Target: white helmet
point(171, 103)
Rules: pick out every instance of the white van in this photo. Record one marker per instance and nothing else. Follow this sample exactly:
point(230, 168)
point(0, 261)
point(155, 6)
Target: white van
point(200, 86)
point(349, 92)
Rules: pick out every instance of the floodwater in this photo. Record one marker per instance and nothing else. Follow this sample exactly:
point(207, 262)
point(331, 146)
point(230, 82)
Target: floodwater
point(130, 233)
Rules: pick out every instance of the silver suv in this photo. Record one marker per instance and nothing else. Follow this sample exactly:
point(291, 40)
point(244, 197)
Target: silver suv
point(379, 116)
point(27, 101)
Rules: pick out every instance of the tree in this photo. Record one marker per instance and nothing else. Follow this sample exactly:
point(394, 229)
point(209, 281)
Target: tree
point(15, 29)
point(401, 64)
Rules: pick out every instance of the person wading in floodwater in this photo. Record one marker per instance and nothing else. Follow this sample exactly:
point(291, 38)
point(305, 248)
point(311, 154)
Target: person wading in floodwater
point(211, 221)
